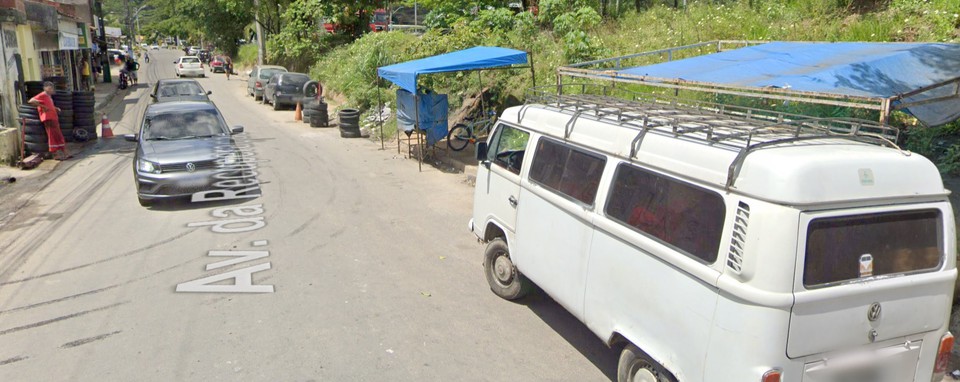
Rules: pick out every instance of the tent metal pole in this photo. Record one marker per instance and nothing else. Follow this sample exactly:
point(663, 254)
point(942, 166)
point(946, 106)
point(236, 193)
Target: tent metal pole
point(533, 72)
point(380, 114)
point(416, 128)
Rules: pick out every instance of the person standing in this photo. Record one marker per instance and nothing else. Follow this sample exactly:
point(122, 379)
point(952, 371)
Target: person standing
point(48, 116)
point(227, 66)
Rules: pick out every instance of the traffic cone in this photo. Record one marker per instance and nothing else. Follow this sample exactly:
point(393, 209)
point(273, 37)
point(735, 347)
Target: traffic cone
point(105, 130)
point(298, 113)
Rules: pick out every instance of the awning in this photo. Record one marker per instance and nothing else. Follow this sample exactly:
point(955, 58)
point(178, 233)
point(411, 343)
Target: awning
point(481, 57)
point(875, 70)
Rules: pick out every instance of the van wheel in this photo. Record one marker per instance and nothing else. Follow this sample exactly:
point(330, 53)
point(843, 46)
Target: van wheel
point(636, 366)
point(504, 278)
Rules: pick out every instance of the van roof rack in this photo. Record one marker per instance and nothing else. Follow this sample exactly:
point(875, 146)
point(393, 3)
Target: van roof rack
point(739, 128)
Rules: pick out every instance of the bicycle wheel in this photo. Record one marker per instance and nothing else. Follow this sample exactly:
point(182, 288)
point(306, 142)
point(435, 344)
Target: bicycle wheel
point(458, 137)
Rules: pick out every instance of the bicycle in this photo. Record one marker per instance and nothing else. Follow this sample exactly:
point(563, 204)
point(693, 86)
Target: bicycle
point(469, 132)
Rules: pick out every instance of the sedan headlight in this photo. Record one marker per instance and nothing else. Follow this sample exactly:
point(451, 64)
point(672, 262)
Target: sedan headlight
point(148, 166)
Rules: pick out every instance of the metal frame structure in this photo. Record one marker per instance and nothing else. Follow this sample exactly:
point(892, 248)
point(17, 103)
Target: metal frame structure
point(421, 140)
point(741, 129)
point(608, 69)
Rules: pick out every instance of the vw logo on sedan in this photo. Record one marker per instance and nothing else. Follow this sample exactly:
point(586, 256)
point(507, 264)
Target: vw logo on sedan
point(873, 313)
point(191, 167)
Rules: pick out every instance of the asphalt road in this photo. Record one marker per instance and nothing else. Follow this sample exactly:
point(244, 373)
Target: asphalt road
point(373, 271)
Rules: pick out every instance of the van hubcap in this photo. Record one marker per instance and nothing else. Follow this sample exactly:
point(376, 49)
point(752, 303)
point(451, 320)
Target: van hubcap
point(503, 269)
point(644, 375)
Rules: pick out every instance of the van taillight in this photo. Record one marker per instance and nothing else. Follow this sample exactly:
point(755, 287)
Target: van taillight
point(943, 357)
point(181, 66)
point(772, 375)
point(258, 84)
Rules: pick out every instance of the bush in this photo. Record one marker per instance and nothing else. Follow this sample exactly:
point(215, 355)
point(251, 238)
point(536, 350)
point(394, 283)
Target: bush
point(247, 55)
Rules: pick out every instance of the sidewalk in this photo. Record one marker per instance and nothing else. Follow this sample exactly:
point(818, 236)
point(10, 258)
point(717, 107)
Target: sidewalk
point(104, 93)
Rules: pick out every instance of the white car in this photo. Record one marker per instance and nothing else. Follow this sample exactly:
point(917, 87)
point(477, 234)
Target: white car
point(189, 66)
point(155, 47)
point(714, 246)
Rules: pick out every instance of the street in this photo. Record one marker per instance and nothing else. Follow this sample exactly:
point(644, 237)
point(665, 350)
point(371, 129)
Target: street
point(374, 273)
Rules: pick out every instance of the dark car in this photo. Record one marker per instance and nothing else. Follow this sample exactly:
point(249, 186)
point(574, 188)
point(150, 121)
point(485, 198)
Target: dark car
point(180, 147)
point(169, 90)
point(204, 56)
point(258, 77)
point(284, 89)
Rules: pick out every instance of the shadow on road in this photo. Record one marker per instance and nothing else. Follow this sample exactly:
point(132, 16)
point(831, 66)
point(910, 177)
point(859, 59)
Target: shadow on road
point(576, 333)
point(184, 204)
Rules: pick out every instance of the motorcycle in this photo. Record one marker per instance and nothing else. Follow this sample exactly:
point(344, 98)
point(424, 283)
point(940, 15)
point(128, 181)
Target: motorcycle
point(124, 81)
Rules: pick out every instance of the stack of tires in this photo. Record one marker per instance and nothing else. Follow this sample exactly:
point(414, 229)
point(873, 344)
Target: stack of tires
point(350, 123)
point(35, 136)
point(64, 101)
point(315, 112)
point(84, 119)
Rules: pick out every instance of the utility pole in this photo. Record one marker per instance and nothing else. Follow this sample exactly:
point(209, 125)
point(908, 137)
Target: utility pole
point(104, 57)
point(261, 47)
point(129, 25)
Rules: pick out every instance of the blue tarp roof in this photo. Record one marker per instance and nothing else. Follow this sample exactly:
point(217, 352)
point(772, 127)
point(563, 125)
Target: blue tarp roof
point(877, 70)
point(481, 57)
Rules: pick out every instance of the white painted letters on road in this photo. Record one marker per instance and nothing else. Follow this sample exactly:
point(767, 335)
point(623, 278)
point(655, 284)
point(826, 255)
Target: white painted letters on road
point(242, 282)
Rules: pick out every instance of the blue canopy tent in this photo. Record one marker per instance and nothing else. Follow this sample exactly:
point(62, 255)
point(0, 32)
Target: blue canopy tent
point(920, 78)
point(478, 58)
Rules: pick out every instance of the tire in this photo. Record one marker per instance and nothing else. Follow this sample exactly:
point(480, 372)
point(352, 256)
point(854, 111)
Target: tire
point(31, 121)
point(81, 135)
point(458, 137)
point(349, 134)
point(276, 105)
point(37, 148)
point(504, 278)
point(35, 138)
point(635, 365)
point(35, 130)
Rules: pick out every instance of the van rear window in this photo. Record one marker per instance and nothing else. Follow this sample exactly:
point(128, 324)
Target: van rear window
point(852, 247)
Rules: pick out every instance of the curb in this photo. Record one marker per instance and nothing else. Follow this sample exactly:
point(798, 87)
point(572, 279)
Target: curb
point(98, 107)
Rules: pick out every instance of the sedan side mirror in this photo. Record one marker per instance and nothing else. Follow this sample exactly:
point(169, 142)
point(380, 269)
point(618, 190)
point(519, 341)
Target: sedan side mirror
point(236, 130)
point(174, 62)
point(131, 137)
point(154, 96)
point(209, 92)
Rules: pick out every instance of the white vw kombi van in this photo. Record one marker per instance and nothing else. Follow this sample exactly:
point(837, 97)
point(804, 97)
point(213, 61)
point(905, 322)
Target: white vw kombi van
point(712, 245)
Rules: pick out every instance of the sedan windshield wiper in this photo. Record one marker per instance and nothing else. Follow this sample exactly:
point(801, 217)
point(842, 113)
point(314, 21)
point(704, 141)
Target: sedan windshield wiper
point(160, 138)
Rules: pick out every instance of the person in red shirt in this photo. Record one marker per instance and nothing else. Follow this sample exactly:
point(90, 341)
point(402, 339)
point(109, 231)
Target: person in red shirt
point(48, 116)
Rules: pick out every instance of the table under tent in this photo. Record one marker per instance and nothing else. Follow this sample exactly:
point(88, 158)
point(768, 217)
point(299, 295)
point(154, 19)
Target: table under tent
point(423, 111)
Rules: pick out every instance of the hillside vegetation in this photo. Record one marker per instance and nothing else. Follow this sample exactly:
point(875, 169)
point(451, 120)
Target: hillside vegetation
point(573, 31)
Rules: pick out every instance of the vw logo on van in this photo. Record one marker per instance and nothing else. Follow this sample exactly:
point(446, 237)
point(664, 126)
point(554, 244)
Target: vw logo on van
point(191, 167)
point(873, 313)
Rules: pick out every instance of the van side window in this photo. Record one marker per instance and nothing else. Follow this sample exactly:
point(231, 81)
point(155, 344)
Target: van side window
point(571, 172)
point(507, 148)
point(684, 216)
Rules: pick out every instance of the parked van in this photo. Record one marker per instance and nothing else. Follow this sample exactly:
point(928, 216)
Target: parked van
point(712, 245)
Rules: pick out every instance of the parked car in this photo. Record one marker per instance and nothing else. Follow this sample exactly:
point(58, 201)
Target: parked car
point(169, 90)
point(712, 251)
point(154, 47)
point(218, 64)
point(204, 56)
point(189, 66)
point(284, 89)
point(193, 50)
point(180, 147)
point(114, 55)
point(258, 77)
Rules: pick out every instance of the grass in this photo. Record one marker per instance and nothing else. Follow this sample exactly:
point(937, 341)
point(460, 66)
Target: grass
point(247, 55)
point(350, 69)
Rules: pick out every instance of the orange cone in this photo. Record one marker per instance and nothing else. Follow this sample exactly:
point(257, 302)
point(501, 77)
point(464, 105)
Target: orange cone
point(298, 114)
point(105, 130)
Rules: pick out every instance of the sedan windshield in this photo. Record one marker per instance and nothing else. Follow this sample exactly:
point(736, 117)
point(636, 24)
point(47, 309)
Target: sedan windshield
point(180, 89)
point(192, 124)
point(190, 60)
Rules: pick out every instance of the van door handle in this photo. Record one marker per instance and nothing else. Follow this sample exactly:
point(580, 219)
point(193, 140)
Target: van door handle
point(513, 201)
